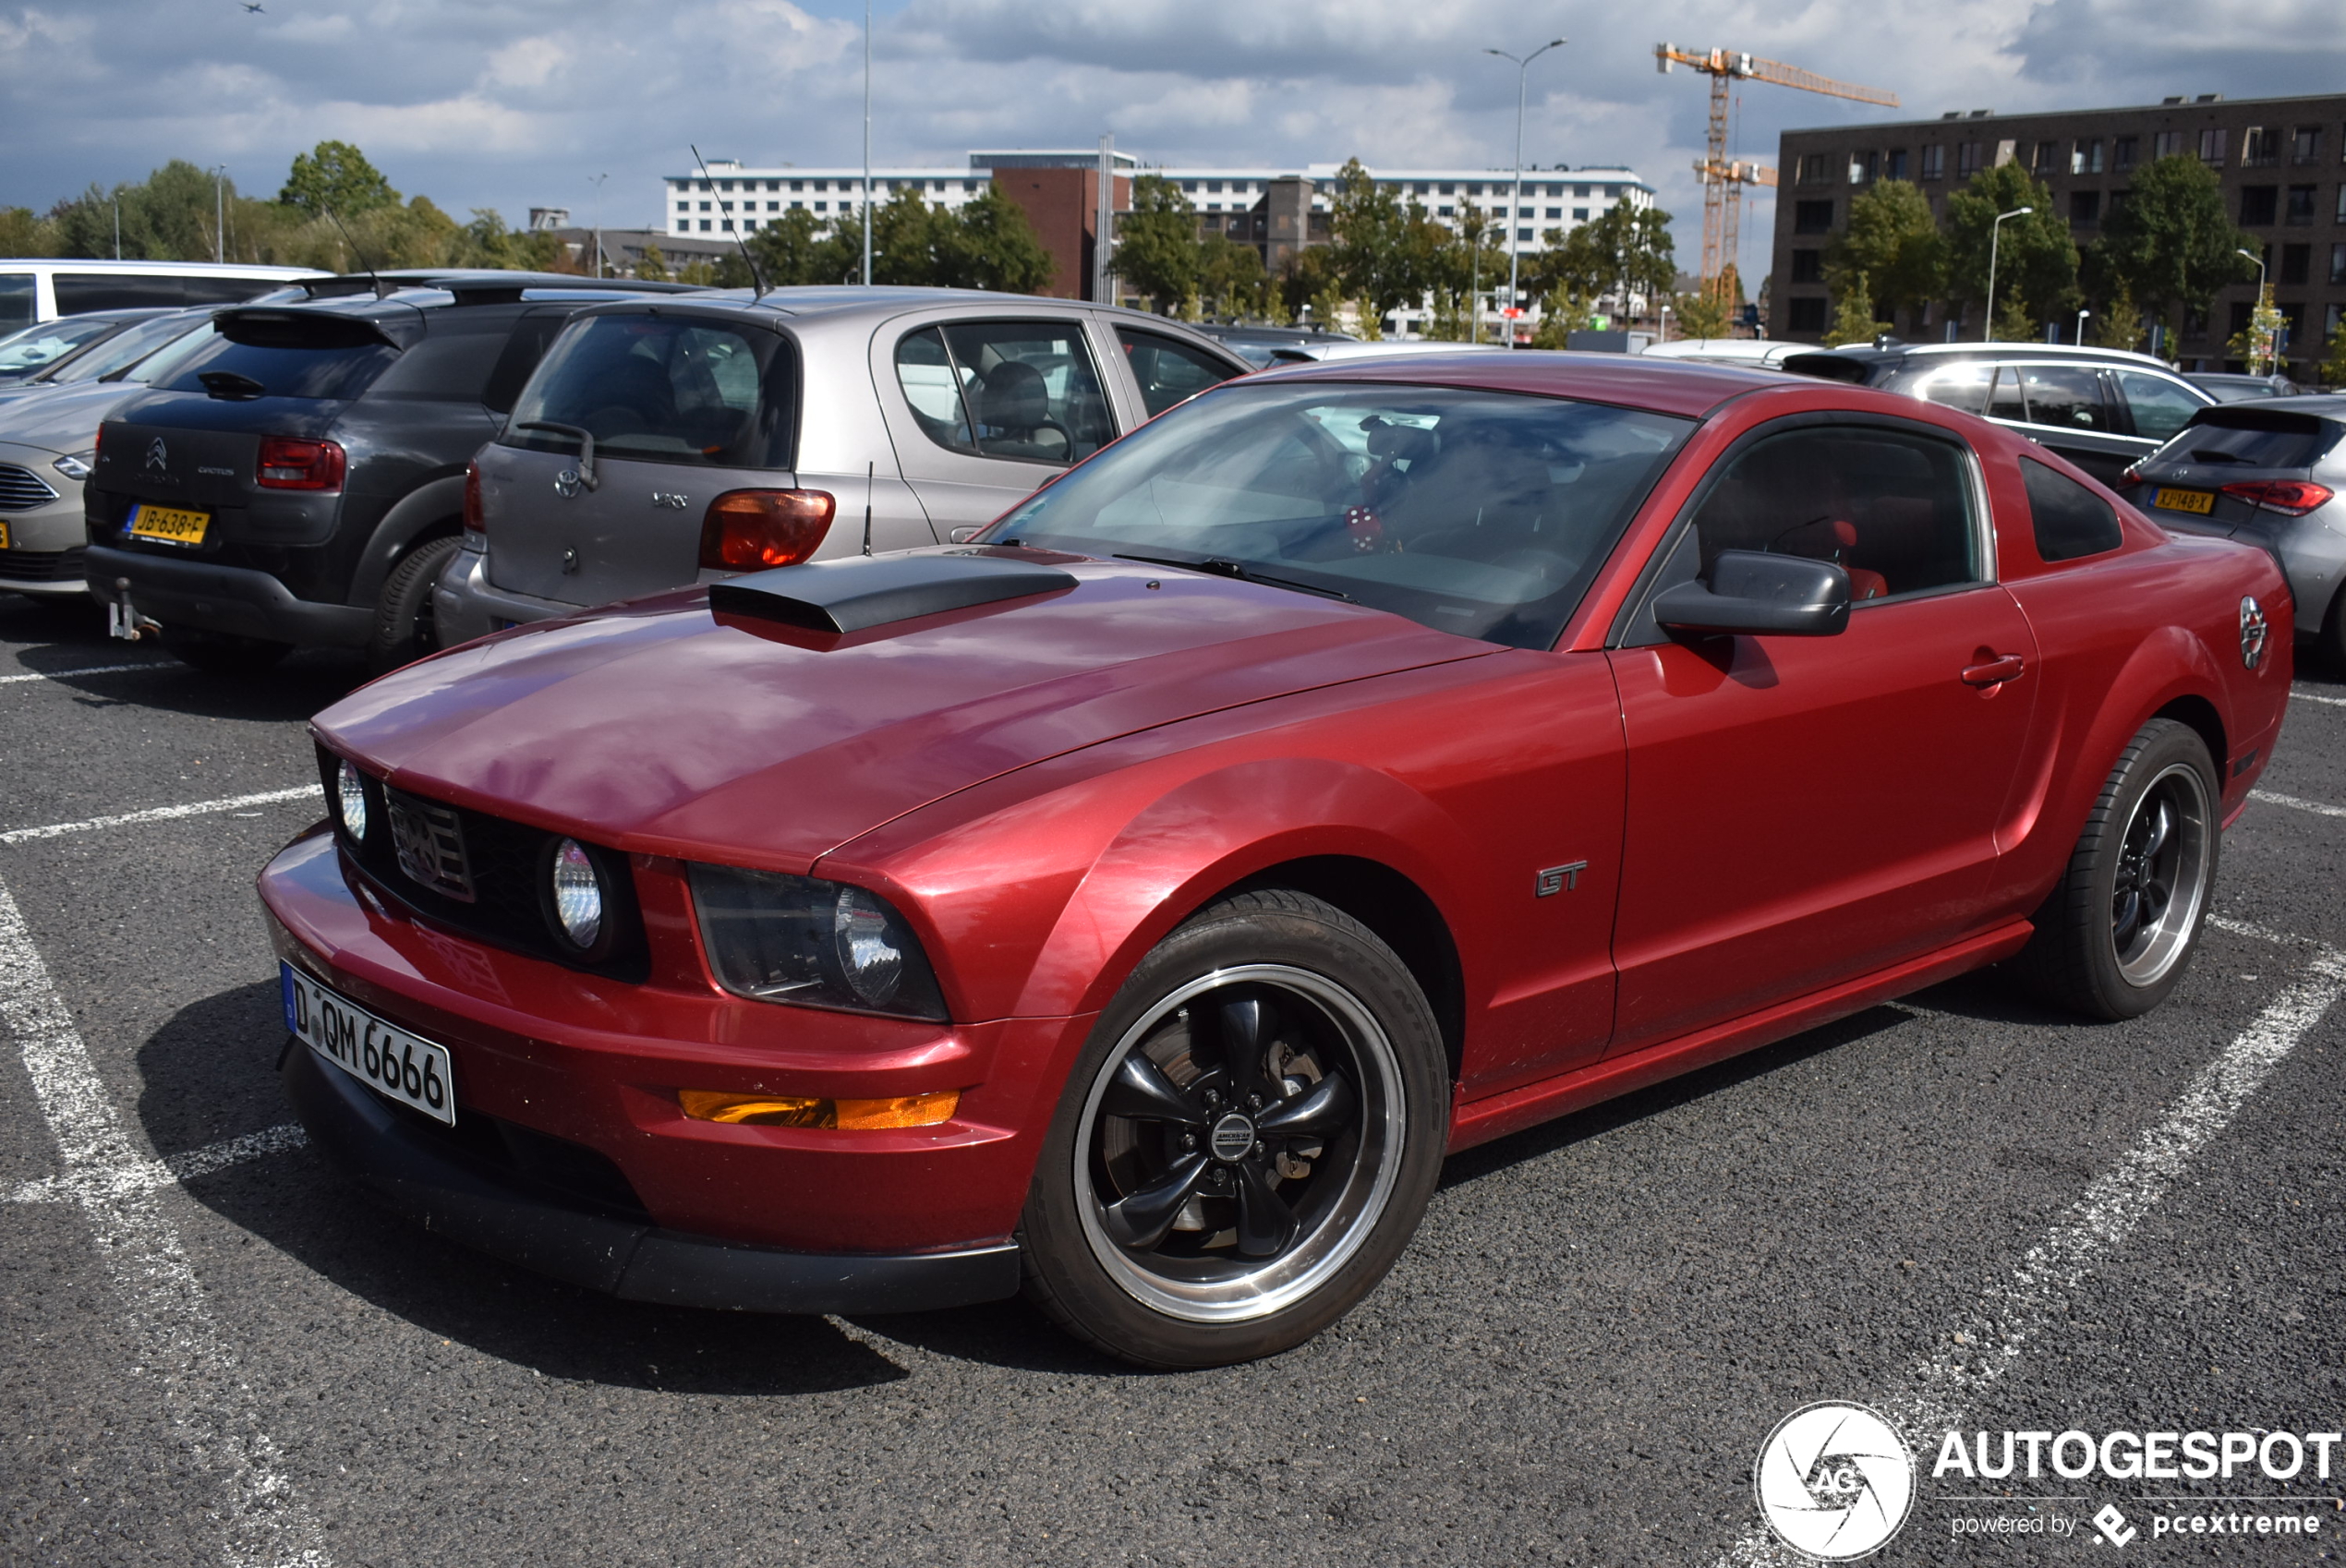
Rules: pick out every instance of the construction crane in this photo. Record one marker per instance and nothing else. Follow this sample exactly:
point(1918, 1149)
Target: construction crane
point(1723, 181)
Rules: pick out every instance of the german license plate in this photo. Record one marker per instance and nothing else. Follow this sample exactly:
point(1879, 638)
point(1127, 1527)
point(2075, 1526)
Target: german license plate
point(168, 523)
point(2201, 502)
point(383, 1057)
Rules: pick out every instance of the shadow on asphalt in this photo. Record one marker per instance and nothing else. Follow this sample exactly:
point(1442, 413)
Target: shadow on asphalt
point(60, 638)
point(209, 1073)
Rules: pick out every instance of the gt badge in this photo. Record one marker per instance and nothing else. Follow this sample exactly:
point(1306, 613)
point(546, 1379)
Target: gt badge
point(2253, 633)
point(1558, 878)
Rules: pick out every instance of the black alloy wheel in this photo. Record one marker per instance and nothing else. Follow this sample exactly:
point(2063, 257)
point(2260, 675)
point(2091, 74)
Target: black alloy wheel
point(2119, 928)
point(404, 628)
point(1248, 1142)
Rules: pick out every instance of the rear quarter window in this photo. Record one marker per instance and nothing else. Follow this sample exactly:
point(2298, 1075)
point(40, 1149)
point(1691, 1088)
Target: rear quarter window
point(447, 366)
point(666, 389)
point(2252, 439)
point(2071, 522)
point(339, 371)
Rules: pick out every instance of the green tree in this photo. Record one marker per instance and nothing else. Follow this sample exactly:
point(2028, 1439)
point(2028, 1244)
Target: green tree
point(652, 266)
point(25, 232)
point(1230, 274)
point(2332, 369)
point(991, 244)
point(1853, 318)
point(1376, 253)
point(2170, 243)
point(1700, 315)
point(789, 251)
point(1156, 251)
point(336, 176)
point(2119, 322)
point(1564, 311)
point(168, 216)
point(1625, 250)
point(2035, 258)
point(1894, 241)
point(2254, 344)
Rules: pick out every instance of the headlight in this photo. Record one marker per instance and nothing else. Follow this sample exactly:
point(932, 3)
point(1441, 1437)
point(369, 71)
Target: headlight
point(577, 889)
point(783, 939)
point(350, 794)
point(78, 465)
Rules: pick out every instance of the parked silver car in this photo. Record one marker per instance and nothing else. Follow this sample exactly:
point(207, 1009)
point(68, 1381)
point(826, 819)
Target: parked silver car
point(2270, 472)
point(665, 442)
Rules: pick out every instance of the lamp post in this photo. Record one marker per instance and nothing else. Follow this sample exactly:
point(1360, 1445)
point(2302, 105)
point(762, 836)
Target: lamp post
point(219, 213)
point(1995, 237)
point(867, 143)
point(1514, 212)
point(2265, 358)
point(598, 183)
point(2081, 327)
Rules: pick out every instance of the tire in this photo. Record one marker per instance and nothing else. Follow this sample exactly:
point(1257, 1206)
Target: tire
point(2121, 925)
point(222, 653)
point(1168, 1228)
point(2332, 637)
point(404, 630)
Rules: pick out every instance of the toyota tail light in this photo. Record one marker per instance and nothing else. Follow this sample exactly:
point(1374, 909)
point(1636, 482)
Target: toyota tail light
point(2294, 498)
point(291, 462)
point(750, 530)
point(474, 522)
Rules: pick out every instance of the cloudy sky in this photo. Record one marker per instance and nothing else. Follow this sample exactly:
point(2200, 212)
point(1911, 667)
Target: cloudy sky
point(513, 103)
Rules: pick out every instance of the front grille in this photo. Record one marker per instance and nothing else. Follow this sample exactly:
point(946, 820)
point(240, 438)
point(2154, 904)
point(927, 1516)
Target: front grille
point(40, 565)
point(483, 875)
point(21, 490)
point(429, 843)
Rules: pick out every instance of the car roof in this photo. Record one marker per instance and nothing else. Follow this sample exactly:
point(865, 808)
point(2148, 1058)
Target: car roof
point(1870, 353)
point(481, 286)
point(1664, 386)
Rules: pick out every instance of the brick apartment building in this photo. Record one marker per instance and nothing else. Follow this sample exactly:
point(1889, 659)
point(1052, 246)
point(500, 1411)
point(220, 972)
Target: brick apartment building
point(2281, 162)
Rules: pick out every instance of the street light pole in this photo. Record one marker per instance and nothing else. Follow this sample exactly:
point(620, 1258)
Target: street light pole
point(598, 183)
point(2081, 327)
point(867, 143)
point(1995, 235)
point(1514, 212)
point(2260, 294)
point(219, 213)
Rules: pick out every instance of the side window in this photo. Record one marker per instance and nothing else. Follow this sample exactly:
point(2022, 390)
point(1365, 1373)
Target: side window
point(209, 289)
point(1957, 386)
point(522, 352)
point(2066, 397)
point(2070, 521)
point(2160, 406)
point(446, 367)
point(2006, 402)
point(1022, 390)
point(1893, 509)
point(1169, 371)
point(77, 292)
point(16, 300)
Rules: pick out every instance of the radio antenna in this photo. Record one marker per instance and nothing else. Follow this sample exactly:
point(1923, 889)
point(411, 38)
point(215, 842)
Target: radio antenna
point(364, 265)
point(756, 278)
point(869, 469)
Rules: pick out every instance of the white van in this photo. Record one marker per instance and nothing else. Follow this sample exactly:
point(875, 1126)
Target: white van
point(45, 289)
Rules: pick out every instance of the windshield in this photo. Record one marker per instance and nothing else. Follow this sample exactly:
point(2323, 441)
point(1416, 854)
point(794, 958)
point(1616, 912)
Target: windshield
point(1484, 514)
point(24, 352)
point(664, 389)
point(124, 348)
point(330, 369)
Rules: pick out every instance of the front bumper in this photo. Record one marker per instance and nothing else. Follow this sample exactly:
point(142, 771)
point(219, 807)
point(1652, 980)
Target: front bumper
point(233, 600)
point(43, 554)
point(545, 1059)
point(489, 1207)
point(467, 605)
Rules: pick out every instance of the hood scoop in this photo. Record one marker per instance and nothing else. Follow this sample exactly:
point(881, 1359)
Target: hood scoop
point(865, 591)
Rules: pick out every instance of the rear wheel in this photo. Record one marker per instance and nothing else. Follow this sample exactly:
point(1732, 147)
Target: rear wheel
point(404, 630)
point(1247, 1142)
point(222, 653)
point(2119, 928)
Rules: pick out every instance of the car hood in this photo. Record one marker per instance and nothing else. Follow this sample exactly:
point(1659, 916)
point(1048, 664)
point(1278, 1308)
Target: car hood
point(62, 420)
point(654, 728)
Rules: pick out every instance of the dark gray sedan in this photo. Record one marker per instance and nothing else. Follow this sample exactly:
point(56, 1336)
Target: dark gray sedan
point(663, 444)
point(2271, 473)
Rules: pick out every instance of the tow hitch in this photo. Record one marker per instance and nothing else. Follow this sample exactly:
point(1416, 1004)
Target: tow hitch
point(122, 621)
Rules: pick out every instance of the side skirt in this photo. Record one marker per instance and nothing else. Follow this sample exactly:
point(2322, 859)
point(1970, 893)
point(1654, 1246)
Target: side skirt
point(1496, 1115)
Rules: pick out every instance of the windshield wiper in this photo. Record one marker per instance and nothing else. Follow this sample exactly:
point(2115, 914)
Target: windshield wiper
point(1222, 566)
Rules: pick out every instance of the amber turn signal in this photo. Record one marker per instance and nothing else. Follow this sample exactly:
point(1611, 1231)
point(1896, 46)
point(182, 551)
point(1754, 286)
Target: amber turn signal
point(850, 1116)
point(750, 530)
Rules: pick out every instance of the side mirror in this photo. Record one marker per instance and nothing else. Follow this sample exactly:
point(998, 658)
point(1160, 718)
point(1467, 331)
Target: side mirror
point(1759, 595)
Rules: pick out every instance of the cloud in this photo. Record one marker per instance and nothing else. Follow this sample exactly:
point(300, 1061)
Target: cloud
point(513, 103)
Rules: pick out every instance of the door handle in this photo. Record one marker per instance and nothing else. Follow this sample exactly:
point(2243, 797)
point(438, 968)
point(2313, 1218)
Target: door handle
point(1997, 670)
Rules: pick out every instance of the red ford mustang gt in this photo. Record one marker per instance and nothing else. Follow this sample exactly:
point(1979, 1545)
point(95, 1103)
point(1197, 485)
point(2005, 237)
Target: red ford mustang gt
point(1357, 764)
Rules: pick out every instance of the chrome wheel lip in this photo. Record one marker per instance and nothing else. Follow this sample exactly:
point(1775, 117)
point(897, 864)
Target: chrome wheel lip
point(1282, 1281)
point(2168, 936)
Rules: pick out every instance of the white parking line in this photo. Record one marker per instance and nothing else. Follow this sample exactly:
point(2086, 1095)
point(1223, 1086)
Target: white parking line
point(2310, 697)
point(145, 1175)
point(2294, 804)
point(159, 813)
point(192, 1367)
point(2025, 1306)
point(91, 669)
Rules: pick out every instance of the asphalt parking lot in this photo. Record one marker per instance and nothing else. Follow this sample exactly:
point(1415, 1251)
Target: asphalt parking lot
point(1957, 1208)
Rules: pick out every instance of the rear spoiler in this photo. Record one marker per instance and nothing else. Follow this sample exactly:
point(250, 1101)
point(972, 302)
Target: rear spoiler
point(2257, 417)
point(1831, 367)
point(269, 327)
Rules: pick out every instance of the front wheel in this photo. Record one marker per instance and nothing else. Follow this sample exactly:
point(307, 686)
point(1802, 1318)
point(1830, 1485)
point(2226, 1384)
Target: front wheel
point(2121, 926)
point(1248, 1140)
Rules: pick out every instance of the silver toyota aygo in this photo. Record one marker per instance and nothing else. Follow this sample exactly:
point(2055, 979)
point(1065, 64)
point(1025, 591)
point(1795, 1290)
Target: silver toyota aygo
point(661, 443)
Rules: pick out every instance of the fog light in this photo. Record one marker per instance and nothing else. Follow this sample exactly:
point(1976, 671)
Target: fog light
point(855, 1115)
point(350, 794)
point(578, 893)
